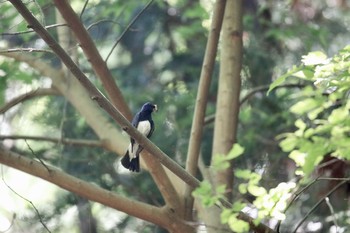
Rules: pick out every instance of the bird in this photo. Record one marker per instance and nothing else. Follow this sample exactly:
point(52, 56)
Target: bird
point(143, 122)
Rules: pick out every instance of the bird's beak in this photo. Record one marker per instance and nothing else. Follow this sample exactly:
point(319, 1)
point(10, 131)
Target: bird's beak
point(155, 108)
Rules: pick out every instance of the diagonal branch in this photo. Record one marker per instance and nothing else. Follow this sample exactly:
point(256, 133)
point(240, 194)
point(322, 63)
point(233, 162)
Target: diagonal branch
point(75, 184)
point(201, 101)
point(27, 200)
point(82, 188)
point(319, 203)
point(93, 56)
point(162, 180)
point(96, 95)
point(27, 96)
point(128, 27)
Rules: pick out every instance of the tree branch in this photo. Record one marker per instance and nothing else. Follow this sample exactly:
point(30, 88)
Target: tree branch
point(93, 56)
point(83, 188)
point(27, 200)
point(30, 50)
point(201, 101)
point(210, 119)
point(162, 180)
point(29, 31)
point(319, 203)
point(97, 96)
point(27, 96)
point(127, 28)
point(74, 184)
point(66, 141)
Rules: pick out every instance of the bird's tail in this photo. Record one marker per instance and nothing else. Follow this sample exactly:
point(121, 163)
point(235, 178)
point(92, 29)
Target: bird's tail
point(133, 164)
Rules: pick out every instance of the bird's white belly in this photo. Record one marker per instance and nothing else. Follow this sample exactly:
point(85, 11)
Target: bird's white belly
point(144, 127)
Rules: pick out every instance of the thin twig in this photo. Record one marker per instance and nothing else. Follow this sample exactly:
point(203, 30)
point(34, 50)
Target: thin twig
point(333, 214)
point(295, 197)
point(319, 203)
point(66, 141)
point(83, 10)
point(12, 221)
point(30, 50)
point(102, 21)
point(127, 28)
point(36, 156)
point(27, 96)
point(31, 30)
point(27, 200)
point(210, 119)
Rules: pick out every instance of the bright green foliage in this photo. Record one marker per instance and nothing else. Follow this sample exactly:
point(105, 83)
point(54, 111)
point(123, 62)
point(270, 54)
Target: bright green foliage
point(205, 193)
point(221, 162)
point(270, 203)
point(252, 182)
point(323, 126)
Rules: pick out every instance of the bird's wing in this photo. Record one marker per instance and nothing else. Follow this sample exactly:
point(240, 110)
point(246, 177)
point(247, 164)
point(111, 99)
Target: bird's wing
point(151, 129)
point(135, 123)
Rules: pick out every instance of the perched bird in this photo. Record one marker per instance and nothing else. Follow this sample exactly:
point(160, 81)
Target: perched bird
point(142, 122)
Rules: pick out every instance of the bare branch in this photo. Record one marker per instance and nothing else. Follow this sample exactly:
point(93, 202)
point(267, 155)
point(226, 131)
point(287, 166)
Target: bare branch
point(75, 185)
point(66, 141)
point(210, 119)
point(83, 10)
point(201, 101)
point(85, 189)
point(27, 96)
point(319, 203)
point(97, 96)
point(29, 50)
point(331, 209)
point(29, 31)
point(127, 28)
point(162, 180)
point(27, 200)
point(36, 156)
point(93, 56)
point(102, 21)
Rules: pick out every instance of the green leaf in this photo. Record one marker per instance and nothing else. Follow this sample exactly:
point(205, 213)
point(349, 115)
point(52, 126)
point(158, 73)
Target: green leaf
point(256, 190)
point(243, 173)
point(238, 225)
point(289, 143)
point(304, 106)
point(338, 115)
point(282, 78)
point(242, 188)
point(235, 152)
point(220, 162)
point(298, 157)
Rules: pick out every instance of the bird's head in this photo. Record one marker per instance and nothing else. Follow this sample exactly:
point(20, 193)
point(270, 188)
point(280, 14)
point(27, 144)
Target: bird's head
point(149, 107)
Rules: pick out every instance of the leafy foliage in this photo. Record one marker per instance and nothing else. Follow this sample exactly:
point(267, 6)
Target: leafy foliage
point(323, 126)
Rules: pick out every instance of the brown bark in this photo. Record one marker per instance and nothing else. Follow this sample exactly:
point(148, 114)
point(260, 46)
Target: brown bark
point(161, 216)
point(201, 101)
point(227, 110)
point(93, 56)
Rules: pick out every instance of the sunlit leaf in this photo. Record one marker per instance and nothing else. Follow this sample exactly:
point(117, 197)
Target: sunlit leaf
point(256, 190)
point(235, 152)
point(282, 78)
point(243, 173)
point(314, 58)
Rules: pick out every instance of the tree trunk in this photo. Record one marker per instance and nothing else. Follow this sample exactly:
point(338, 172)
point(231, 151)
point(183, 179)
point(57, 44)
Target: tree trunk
point(227, 109)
